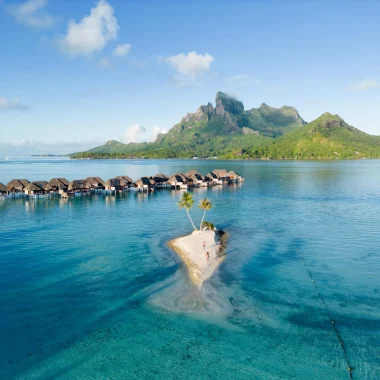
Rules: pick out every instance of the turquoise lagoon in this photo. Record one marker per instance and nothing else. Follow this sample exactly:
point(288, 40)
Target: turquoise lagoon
point(90, 290)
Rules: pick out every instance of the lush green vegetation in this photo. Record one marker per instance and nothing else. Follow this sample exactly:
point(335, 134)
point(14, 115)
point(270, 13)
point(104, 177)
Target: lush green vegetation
point(264, 133)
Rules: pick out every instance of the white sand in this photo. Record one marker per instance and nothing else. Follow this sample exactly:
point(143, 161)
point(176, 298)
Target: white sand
point(191, 250)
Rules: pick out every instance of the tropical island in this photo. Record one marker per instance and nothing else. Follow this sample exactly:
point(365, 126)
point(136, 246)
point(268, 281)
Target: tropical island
point(204, 249)
point(228, 131)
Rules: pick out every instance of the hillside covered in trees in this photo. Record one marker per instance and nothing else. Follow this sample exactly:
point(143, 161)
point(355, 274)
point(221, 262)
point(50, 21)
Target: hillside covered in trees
point(229, 131)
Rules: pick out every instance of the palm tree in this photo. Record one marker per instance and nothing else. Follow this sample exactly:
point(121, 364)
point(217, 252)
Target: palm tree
point(187, 202)
point(204, 204)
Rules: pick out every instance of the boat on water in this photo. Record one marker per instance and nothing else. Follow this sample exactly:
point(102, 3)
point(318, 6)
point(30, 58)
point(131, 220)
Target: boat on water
point(7, 158)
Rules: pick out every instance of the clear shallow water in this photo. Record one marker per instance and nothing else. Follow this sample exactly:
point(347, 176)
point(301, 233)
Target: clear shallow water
point(89, 289)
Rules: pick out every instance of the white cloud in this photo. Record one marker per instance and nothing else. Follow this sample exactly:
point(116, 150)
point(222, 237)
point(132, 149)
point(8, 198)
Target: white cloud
point(7, 105)
point(31, 13)
point(121, 50)
point(137, 133)
point(192, 64)
point(104, 63)
point(364, 85)
point(156, 131)
point(91, 33)
point(134, 133)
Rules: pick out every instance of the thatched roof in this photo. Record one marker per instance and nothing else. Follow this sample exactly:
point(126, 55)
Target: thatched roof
point(161, 177)
point(64, 181)
point(33, 187)
point(143, 181)
point(125, 177)
point(99, 180)
point(3, 187)
point(17, 184)
point(192, 172)
point(78, 184)
point(176, 178)
point(211, 176)
point(232, 174)
point(124, 180)
point(183, 175)
point(195, 177)
point(57, 183)
point(24, 181)
point(43, 185)
point(220, 172)
point(112, 182)
point(95, 181)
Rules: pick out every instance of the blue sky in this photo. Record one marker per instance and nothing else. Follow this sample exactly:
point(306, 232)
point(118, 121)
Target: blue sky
point(118, 64)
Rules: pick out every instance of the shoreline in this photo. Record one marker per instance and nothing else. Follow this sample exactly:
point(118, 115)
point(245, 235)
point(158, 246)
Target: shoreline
point(190, 249)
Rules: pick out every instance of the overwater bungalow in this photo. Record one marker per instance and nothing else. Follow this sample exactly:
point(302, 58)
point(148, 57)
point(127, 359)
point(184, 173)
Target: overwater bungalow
point(213, 179)
point(196, 180)
point(45, 186)
point(78, 186)
point(3, 190)
point(234, 177)
point(96, 183)
point(144, 183)
point(38, 188)
point(125, 181)
point(161, 180)
point(194, 172)
point(183, 176)
point(177, 181)
point(221, 174)
point(59, 185)
point(17, 185)
point(112, 184)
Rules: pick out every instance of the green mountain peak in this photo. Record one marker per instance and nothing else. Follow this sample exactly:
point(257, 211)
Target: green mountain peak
point(229, 131)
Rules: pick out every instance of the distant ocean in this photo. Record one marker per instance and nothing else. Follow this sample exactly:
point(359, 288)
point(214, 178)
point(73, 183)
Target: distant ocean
point(90, 290)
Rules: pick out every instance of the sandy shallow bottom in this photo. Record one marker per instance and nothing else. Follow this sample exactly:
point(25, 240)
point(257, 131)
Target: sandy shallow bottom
point(199, 253)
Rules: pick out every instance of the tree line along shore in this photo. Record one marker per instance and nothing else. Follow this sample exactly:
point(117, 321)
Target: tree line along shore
point(67, 189)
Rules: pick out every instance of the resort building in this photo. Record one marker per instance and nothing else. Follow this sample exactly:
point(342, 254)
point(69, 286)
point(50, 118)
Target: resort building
point(112, 184)
point(233, 176)
point(194, 172)
point(213, 179)
point(177, 181)
point(196, 180)
point(59, 185)
point(78, 186)
point(66, 189)
point(17, 185)
point(96, 183)
point(144, 183)
point(160, 178)
point(221, 174)
point(3, 189)
point(45, 186)
point(125, 181)
point(183, 176)
point(38, 188)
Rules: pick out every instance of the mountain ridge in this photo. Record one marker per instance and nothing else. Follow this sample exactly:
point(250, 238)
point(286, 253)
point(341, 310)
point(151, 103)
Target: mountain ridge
point(229, 131)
